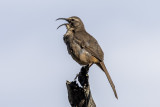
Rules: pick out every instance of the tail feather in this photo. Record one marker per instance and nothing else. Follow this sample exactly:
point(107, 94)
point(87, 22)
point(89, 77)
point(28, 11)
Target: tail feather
point(102, 66)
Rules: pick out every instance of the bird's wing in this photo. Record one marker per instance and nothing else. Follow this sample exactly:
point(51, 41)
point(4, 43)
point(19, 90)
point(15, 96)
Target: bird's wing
point(90, 44)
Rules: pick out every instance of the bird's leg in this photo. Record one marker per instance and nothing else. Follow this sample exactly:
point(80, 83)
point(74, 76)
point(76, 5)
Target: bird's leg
point(84, 69)
point(76, 77)
point(87, 67)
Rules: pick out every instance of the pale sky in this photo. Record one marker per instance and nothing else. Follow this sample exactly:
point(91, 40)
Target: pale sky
point(34, 62)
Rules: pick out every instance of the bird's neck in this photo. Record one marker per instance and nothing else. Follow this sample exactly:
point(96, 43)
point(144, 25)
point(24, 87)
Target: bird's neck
point(80, 29)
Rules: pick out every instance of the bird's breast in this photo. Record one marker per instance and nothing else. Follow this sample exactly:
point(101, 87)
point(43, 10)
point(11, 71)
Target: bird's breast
point(78, 53)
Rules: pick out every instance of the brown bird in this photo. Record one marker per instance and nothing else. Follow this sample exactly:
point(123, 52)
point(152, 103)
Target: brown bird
point(83, 47)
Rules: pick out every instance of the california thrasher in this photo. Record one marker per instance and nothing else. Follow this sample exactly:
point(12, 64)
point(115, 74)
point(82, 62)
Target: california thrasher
point(83, 47)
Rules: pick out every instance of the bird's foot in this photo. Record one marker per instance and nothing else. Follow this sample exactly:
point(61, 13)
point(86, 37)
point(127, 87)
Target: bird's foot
point(84, 70)
point(76, 77)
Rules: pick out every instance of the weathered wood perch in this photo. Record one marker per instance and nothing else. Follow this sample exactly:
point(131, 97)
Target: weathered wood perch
point(80, 96)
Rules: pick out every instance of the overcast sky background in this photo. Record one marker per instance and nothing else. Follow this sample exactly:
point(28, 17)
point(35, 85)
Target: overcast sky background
point(34, 62)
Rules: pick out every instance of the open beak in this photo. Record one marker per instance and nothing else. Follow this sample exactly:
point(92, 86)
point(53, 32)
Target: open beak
point(64, 23)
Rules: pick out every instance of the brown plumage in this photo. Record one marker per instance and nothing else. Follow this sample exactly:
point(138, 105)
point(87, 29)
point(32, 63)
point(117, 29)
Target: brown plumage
point(83, 47)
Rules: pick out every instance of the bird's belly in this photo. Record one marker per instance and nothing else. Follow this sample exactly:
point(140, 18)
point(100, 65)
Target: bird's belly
point(80, 55)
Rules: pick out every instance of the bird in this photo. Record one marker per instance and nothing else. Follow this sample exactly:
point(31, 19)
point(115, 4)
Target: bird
point(83, 47)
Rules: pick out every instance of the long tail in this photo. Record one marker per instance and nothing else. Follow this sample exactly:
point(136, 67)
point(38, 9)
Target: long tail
point(103, 67)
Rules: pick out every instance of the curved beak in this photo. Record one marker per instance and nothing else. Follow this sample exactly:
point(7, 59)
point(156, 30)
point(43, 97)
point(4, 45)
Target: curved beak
point(62, 19)
point(66, 19)
point(62, 25)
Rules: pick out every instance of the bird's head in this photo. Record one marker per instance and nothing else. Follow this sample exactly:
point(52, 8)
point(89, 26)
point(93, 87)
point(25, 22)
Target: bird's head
point(74, 22)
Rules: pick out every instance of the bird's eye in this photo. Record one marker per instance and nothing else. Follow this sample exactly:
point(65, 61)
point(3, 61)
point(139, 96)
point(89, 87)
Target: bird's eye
point(72, 19)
